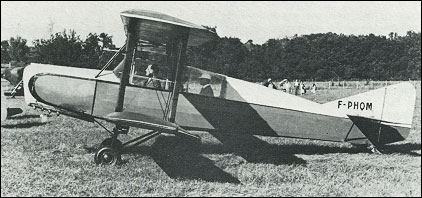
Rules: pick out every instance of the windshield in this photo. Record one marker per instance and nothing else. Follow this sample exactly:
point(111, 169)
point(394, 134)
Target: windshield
point(149, 67)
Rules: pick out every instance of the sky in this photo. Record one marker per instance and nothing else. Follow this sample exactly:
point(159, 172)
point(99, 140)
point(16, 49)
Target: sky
point(258, 21)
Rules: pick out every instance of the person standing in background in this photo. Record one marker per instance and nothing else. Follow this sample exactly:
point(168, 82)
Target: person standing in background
point(296, 84)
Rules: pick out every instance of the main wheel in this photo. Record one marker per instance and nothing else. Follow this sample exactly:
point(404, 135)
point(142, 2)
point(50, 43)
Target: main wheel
point(117, 144)
point(107, 156)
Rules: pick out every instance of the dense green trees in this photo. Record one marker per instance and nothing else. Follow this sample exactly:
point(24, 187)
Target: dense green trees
point(62, 48)
point(66, 48)
point(15, 51)
point(322, 56)
point(315, 56)
point(5, 58)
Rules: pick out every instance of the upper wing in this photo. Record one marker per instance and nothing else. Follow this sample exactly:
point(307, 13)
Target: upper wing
point(158, 27)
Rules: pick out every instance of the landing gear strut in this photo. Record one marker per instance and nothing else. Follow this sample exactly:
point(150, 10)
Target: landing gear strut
point(110, 150)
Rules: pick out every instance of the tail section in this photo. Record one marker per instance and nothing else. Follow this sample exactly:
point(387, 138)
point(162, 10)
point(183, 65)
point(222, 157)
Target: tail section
point(383, 115)
point(394, 104)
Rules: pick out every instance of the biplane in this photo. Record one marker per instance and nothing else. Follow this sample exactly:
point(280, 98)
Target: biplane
point(238, 107)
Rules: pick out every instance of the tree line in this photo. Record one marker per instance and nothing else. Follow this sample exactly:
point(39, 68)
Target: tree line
point(62, 48)
point(322, 56)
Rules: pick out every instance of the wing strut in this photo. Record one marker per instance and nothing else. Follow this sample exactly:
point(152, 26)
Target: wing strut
point(178, 54)
point(111, 60)
point(124, 79)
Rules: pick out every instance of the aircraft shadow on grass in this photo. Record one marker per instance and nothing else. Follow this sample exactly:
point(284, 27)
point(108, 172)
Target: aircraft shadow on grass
point(181, 161)
point(184, 161)
point(258, 151)
point(23, 117)
point(22, 125)
point(407, 149)
point(253, 150)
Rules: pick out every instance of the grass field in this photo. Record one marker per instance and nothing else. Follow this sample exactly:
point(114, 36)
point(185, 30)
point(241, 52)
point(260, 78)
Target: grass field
point(55, 158)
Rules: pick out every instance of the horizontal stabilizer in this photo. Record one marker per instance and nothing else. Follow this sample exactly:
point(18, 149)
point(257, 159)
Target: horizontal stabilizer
point(380, 132)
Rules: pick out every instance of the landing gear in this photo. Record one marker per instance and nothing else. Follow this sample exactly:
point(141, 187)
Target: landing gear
point(107, 156)
point(109, 151)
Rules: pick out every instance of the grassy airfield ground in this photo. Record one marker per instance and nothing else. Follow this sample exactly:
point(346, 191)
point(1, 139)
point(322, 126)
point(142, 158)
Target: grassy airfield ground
point(56, 159)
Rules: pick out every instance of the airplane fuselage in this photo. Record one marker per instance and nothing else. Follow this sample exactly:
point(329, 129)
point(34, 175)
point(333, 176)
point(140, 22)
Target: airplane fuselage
point(268, 113)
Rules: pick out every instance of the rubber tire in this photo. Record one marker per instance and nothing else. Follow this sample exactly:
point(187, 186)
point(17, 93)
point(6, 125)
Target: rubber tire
point(113, 156)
